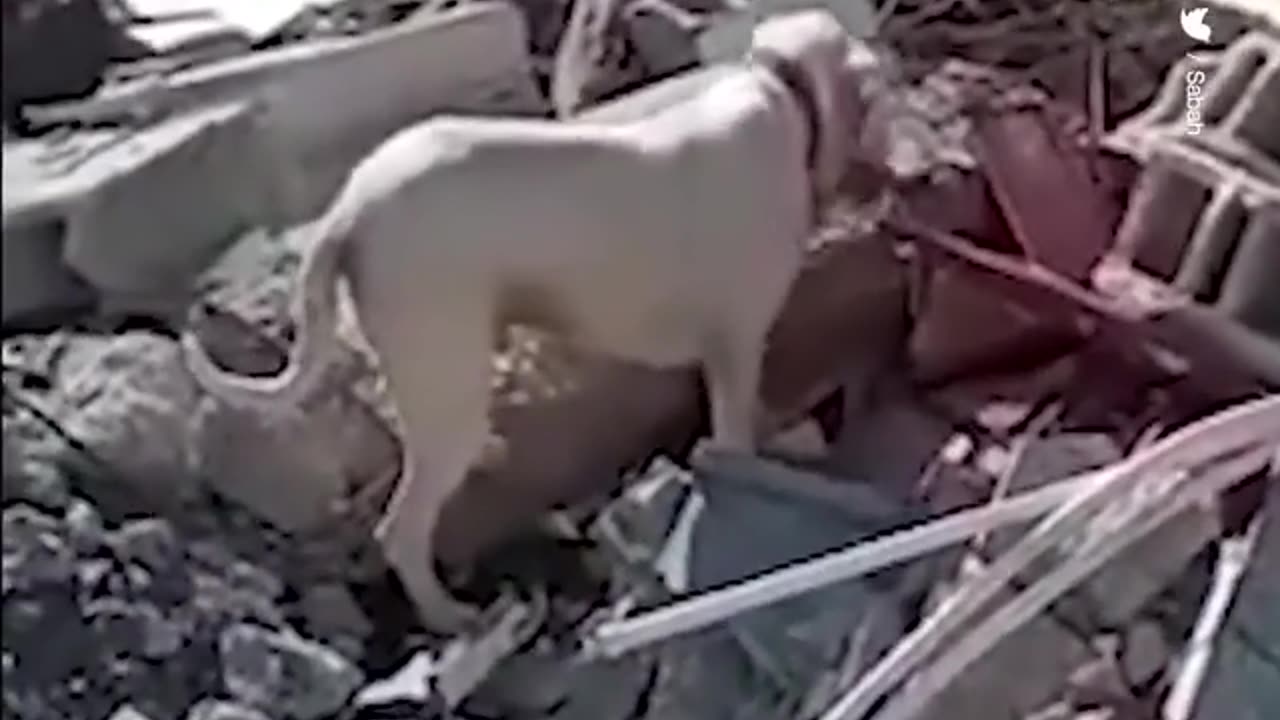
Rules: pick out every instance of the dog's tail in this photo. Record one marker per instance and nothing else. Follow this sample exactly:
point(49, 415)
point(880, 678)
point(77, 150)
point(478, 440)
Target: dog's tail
point(315, 313)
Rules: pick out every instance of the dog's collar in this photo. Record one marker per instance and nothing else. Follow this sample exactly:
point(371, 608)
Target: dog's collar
point(802, 91)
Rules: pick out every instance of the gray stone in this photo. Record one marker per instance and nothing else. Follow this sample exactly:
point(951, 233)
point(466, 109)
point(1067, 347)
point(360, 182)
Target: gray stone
point(134, 629)
point(129, 400)
point(253, 579)
point(119, 626)
point(36, 552)
point(758, 516)
point(663, 43)
point(730, 33)
point(150, 543)
point(290, 468)
point(285, 673)
point(36, 283)
point(32, 480)
point(1145, 651)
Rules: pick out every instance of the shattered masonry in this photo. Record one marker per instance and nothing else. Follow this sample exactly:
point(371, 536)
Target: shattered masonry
point(1039, 274)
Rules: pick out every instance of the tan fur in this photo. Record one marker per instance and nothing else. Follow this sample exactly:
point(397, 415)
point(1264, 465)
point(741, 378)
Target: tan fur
point(670, 240)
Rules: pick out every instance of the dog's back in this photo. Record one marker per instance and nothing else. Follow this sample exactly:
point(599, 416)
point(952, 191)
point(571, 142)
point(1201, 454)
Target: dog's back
point(599, 231)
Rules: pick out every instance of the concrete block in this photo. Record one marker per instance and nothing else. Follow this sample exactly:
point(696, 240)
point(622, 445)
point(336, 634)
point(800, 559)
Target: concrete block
point(327, 102)
point(141, 212)
point(1205, 215)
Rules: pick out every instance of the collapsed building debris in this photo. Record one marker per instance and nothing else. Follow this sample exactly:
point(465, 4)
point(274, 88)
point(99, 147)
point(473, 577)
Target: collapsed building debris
point(990, 347)
point(275, 153)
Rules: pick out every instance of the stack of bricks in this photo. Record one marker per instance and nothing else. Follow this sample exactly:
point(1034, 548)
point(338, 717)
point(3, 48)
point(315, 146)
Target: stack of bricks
point(1205, 215)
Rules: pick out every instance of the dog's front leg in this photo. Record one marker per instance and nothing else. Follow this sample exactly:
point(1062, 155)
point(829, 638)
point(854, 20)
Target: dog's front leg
point(731, 371)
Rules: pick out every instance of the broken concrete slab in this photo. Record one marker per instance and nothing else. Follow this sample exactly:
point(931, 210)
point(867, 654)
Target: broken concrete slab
point(127, 399)
point(468, 58)
point(140, 211)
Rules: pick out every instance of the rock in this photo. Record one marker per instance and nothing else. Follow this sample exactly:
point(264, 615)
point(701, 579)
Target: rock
point(134, 629)
point(212, 709)
point(46, 636)
point(285, 673)
point(1097, 682)
point(1039, 654)
point(729, 35)
point(151, 547)
point(43, 631)
point(129, 400)
point(222, 603)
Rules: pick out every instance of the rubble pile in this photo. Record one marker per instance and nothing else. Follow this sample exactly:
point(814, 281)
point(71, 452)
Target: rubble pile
point(1020, 316)
point(134, 615)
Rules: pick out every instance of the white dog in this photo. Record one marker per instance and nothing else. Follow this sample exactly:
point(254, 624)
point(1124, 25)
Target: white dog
point(669, 240)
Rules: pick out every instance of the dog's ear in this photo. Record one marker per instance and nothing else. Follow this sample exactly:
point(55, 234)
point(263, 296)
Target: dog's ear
point(815, 44)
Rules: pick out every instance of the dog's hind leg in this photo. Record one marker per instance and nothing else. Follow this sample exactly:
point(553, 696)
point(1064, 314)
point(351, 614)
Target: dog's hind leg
point(438, 366)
